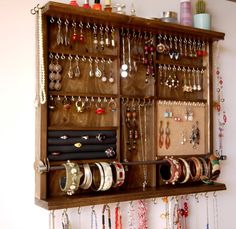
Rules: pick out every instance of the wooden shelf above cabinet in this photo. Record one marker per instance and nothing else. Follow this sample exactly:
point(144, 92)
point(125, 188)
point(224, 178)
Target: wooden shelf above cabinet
point(67, 11)
point(62, 202)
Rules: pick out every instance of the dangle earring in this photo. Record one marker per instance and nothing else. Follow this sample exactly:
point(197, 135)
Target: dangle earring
point(77, 70)
point(75, 36)
point(70, 71)
point(107, 40)
point(104, 78)
point(59, 33)
point(161, 135)
point(52, 75)
point(113, 43)
point(95, 37)
point(102, 42)
point(66, 37)
point(81, 35)
point(91, 72)
point(98, 72)
point(195, 135)
point(111, 77)
point(167, 137)
point(57, 69)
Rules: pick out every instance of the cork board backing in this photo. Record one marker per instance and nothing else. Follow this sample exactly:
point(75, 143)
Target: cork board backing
point(182, 126)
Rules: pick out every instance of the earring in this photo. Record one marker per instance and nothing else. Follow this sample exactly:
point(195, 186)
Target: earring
point(161, 137)
point(167, 139)
point(195, 135)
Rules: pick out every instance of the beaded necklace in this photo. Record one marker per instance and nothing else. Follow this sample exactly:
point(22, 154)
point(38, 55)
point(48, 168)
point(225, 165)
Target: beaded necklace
point(219, 105)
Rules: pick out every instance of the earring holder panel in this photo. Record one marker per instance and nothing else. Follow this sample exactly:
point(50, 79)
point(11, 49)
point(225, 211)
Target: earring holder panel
point(179, 126)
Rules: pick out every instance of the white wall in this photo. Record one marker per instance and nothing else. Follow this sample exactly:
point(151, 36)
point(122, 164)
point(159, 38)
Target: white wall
point(17, 74)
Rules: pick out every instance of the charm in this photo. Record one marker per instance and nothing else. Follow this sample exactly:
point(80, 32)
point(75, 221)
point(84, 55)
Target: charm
point(80, 106)
point(66, 103)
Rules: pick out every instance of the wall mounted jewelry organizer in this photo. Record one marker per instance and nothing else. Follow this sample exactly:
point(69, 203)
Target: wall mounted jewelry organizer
point(129, 89)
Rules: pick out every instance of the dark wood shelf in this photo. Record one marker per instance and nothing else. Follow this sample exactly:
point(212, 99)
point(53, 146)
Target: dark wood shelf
point(62, 202)
point(62, 10)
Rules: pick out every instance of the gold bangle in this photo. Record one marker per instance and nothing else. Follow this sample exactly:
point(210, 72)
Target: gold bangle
point(70, 183)
point(108, 178)
point(118, 174)
point(87, 177)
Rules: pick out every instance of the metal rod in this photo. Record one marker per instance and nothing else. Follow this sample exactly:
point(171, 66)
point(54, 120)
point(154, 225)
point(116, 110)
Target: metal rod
point(45, 167)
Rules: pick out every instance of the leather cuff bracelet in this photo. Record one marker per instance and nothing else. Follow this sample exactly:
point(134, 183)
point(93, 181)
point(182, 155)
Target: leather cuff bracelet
point(87, 177)
point(70, 182)
point(118, 174)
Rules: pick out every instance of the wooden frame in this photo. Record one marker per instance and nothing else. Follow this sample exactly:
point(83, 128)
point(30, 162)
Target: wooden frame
point(47, 195)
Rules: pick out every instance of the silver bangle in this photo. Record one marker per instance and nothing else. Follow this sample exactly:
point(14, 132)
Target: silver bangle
point(108, 178)
point(87, 177)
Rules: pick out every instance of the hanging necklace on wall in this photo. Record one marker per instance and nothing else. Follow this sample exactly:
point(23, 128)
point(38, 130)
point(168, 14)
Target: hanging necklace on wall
point(42, 85)
point(94, 218)
point(215, 210)
point(219, 104)
point(207, 212)
point(118, 217)
point(143, 139)
point(142, 214)
point(131, 211)
point(51, 220)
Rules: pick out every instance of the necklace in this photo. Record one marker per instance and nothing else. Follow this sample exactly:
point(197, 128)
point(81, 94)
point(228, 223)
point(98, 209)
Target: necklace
point(94, 218)
point(207, 212)
point(51, 220)
point(215, 210)
point(42, 90)
point(131, 215)
point(118, 217)
point(143, 137)
point(222, 118)
point(142, 214)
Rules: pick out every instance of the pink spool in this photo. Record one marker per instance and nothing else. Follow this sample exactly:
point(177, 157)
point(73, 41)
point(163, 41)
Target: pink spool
point(186, 17)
